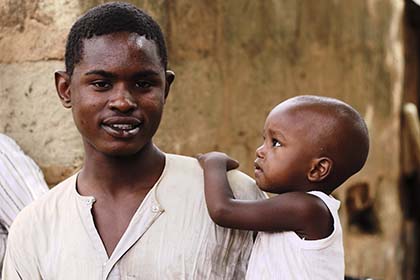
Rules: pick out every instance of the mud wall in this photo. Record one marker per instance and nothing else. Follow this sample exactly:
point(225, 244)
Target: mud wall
point(234, 61)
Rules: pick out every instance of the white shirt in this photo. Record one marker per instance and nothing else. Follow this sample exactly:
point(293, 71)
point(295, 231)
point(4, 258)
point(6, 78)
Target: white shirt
point(284, 255)
point(171, 236)
point(21, 181)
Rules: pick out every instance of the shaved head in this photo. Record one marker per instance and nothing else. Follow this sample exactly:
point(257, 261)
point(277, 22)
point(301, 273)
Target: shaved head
point(334, 129)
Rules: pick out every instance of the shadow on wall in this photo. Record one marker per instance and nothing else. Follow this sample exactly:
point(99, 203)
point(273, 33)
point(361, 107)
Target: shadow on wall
point(87, 4)
point(360, 208)
point(352, 278)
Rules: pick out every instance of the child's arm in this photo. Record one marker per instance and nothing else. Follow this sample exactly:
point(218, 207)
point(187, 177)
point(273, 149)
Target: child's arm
point(219, 196)
point(303, 213)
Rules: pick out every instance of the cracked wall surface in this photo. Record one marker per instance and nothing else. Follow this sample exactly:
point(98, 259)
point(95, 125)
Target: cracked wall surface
point(234, 61)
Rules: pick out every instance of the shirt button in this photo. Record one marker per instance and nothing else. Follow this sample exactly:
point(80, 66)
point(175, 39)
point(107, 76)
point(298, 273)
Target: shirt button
point(155, 208)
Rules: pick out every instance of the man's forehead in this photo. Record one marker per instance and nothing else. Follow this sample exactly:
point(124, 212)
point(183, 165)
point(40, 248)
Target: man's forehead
point(120, 48)
point(121, 38)
point(139, 40)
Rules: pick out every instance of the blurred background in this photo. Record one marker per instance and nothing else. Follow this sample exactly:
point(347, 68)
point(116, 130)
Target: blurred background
point(234, 61)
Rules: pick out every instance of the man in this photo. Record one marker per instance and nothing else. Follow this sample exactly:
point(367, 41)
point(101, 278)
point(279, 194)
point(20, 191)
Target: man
point(133, 211)
point(21, 182)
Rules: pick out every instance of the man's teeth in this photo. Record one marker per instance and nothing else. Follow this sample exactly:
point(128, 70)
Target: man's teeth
point(123, 126)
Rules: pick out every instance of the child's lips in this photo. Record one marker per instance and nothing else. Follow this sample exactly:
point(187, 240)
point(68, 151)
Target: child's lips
point(257, 168)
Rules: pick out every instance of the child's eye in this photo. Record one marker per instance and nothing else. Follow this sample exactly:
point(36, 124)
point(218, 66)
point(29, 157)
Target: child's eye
point(143, 84)
point(276, 143)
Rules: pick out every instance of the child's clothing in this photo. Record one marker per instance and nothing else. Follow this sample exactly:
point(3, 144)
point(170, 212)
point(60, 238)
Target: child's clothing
point(284, 255)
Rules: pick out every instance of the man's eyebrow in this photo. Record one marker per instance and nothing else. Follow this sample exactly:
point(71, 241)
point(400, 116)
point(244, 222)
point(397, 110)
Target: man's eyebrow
point(146, 73)
point(100, 73)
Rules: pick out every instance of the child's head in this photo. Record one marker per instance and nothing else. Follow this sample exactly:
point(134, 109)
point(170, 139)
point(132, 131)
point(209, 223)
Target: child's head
point(111, 18)
point(311, 143)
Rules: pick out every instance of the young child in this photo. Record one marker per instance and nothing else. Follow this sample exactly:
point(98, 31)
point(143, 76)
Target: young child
point(312, 145)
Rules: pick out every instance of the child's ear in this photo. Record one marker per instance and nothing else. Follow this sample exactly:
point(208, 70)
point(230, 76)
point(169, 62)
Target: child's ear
point(320, 169)
point(169, 77)
point(62, 85)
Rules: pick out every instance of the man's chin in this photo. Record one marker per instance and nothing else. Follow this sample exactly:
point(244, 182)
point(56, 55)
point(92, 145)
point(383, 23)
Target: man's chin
point(121, 150)
point(124, 152)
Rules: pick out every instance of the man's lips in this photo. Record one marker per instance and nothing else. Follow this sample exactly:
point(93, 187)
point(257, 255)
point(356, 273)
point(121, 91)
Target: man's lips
point(122, 127)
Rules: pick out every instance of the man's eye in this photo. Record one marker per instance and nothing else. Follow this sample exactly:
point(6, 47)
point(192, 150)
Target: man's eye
point(276, 143)
point(143, 84)
point(102, 84)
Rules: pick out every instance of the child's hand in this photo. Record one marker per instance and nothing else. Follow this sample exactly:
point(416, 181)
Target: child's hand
point(217, 158)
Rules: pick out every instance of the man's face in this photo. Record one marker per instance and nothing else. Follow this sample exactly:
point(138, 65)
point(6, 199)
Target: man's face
point(117, 92)
point(284, 159)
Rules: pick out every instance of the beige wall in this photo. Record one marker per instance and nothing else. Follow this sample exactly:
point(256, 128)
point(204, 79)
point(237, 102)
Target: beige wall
point(234, 61)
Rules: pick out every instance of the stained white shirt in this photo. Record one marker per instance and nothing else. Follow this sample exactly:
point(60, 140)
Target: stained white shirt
point(21, 181)
point(285, 256)
point(171, 236)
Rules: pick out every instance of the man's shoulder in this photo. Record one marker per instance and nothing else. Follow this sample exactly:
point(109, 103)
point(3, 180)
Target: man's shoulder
point(46, 205)
point(242, 185)
point(60, 191)
point(181, 160)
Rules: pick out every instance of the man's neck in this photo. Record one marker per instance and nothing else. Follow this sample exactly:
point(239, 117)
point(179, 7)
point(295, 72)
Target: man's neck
point(119, 174)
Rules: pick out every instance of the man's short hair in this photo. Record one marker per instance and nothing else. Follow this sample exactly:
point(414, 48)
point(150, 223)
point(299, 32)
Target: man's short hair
point(112, 18)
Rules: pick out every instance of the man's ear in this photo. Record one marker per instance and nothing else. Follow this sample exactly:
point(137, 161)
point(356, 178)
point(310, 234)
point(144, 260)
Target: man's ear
point(320, 169)
point(170, 77)
point(62, 85)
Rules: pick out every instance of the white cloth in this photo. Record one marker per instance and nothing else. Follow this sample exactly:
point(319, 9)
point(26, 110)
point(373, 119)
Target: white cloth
point(3, 238)
point(21, 181)
point(284, 255)
point(171, 236)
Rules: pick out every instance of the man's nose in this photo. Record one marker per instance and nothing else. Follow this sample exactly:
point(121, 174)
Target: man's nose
point(260, 151)
point(122, 100)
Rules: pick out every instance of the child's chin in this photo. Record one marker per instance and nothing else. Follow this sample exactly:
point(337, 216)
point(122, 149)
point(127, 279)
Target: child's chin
point(261, 186)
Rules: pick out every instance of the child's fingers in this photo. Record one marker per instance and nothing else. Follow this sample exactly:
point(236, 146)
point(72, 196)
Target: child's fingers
point(232, 164)
point(199, 158)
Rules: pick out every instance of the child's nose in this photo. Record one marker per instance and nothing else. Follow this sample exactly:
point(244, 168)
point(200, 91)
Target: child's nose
point(260, 151)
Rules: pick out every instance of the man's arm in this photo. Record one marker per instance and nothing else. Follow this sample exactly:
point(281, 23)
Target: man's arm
point(303, 213)
point(9, 270)
point(12, 268)
point(19, 261)
point(18, 269)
